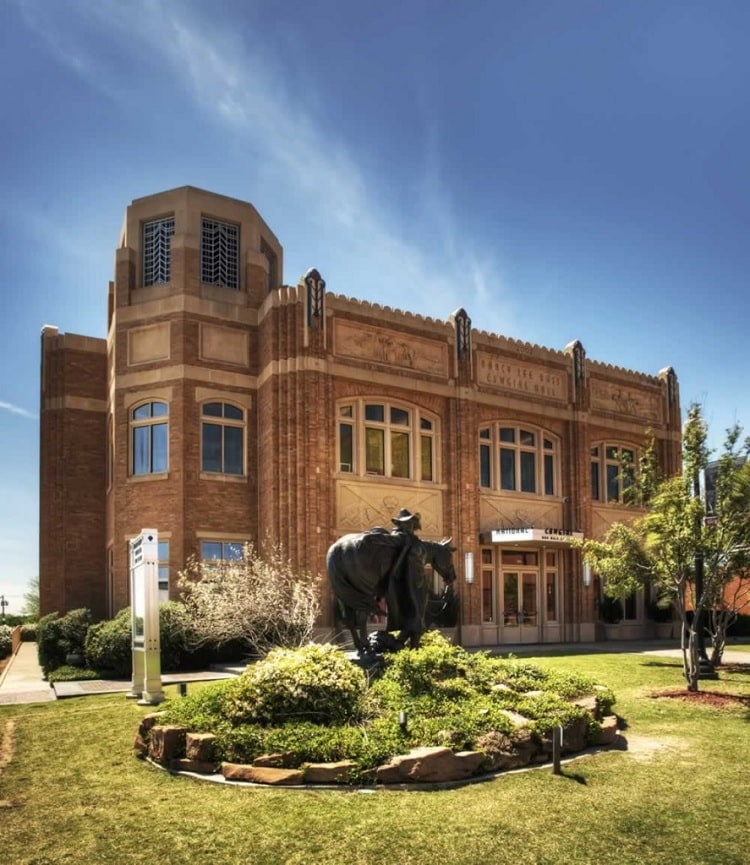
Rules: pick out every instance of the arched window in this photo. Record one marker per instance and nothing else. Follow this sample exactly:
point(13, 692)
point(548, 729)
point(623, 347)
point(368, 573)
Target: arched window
point(387, 439)
point(613, 469)
point(149, 426)
point(222, 438)
point(518, 459)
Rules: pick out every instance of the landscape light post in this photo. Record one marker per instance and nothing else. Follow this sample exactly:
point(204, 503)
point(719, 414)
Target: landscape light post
point(705, 667)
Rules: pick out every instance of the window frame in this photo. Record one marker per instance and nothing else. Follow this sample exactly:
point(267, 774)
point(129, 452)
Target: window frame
point(222, 264)
point(404, 440)
point(519, 459)
point(156, 239)
point(605, 468)
point(224, 423)
point(149, 423)
point(234, 548)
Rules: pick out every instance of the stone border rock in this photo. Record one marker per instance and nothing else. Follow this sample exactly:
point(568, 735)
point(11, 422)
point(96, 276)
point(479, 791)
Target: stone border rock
point(181, 751)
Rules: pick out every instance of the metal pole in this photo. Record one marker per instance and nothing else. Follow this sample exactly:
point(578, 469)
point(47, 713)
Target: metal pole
point(557, 734)
point(705, 667)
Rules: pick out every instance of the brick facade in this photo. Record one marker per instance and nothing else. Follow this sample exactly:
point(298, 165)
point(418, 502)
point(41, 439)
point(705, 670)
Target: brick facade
point(299, 362)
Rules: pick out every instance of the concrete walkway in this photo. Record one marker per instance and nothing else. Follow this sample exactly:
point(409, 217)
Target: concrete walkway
point(22, 680)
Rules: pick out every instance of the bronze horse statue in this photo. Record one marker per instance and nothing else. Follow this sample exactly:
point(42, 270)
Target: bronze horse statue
point(365, 568)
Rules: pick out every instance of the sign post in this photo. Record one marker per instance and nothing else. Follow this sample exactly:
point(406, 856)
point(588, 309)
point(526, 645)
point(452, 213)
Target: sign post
point(144, 608)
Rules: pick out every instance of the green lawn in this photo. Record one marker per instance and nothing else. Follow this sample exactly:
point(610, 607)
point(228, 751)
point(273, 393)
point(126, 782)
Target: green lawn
point(72, 792)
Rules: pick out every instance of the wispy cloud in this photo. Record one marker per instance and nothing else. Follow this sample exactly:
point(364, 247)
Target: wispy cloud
point(237, 86)
point(18, 410)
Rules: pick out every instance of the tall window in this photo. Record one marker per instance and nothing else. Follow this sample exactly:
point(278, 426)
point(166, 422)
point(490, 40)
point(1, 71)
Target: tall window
point(157, 250)
point(613, 473)
point(273, 265)
point(163, 570)
point(488, 583)
point(381, 438)
point(550, 586)
point(220, 253)
point(222, 444)
point(518, 459)
point(149, 435)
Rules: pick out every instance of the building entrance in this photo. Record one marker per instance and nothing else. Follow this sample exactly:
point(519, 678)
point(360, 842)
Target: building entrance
point(521, 595)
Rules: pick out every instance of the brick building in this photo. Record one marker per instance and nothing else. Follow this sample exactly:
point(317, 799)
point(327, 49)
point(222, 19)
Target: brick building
point(224, 405)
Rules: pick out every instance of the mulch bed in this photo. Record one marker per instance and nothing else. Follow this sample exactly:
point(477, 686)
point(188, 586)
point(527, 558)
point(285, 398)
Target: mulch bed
point(715, 699)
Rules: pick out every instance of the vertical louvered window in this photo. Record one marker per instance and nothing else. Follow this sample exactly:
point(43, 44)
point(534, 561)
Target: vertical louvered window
point(157, 250)
point(220, 253)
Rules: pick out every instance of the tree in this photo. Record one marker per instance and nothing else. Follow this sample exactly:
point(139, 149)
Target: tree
point(727, 540)
point(258, 601)
point(674, 548)
point(31, 600)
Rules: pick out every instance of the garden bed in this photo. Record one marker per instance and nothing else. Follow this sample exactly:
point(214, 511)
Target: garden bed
point(436, 715)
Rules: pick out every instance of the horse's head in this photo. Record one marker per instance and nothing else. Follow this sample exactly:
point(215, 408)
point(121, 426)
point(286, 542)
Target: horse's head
point(440, 556)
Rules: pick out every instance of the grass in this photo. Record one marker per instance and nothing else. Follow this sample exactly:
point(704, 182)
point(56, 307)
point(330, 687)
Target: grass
point(74, 793)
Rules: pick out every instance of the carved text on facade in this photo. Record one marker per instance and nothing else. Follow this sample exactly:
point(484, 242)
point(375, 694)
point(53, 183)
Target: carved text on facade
point(510, 375)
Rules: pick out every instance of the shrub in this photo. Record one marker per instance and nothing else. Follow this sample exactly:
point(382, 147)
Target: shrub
point(174, 634)
point(6, 641)
point(28, 632)
point(73, 628)
point(108, 645)
point(260, 601)
point(49, 646)
point(314, 683)
point(71, 674)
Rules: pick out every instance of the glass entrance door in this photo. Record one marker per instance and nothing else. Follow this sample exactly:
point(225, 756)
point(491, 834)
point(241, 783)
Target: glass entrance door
point(520, 615)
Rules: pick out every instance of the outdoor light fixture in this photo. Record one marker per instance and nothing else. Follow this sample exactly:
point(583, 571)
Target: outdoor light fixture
point(586, 574)
point(469, 567)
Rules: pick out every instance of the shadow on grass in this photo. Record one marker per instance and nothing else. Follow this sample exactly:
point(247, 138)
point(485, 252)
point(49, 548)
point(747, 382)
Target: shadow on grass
point(670, 663)
point(574, 776)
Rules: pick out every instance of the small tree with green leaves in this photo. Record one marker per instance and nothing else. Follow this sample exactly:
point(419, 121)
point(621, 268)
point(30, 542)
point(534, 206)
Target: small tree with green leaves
point(726, 541)
point(31, 600)
point(259, 601)
point(668, 544)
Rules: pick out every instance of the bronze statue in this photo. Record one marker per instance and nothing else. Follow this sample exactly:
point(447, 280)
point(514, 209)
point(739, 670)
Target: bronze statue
point(365, 568)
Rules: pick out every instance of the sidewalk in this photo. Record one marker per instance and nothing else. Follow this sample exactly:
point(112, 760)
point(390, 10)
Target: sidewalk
point(22, 681)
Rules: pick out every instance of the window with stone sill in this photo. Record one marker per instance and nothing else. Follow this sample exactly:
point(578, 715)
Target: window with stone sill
point(149, 435)
point(218, 551)
point(613, 468)
point(222, 438)
point(386, 439)
point(521, 459)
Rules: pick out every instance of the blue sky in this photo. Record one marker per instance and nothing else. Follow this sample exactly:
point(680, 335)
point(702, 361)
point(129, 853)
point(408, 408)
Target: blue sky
point(562, 169)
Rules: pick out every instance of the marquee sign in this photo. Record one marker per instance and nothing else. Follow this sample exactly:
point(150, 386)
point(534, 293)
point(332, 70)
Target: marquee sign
point(536, 536)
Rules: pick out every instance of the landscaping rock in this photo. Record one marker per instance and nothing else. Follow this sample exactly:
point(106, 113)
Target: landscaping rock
point(502, 754)
point(430, 765)
point(166, 743)
point(140, 746)
point(200, 746)
point(608, 732)
point(517, 719)
point(148, 722)
point(588, 703)
point(339, 772)
point(275, 761)
point(261, 774)
point(202, 767)
point(575, 736)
